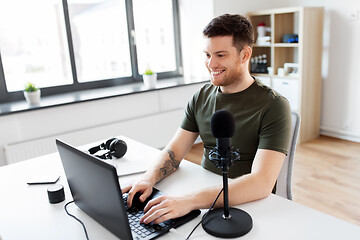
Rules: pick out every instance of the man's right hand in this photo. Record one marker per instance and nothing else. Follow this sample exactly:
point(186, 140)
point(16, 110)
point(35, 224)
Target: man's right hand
point(144, 187)
point(168, 161)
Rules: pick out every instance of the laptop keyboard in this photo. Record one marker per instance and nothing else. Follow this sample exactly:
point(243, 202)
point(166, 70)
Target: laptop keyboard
point(141, 229)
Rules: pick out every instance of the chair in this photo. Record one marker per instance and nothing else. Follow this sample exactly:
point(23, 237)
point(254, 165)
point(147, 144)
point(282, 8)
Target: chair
point(283, 184)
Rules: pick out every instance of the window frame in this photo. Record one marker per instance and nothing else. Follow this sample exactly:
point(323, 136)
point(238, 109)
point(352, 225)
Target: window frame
point(6, 96)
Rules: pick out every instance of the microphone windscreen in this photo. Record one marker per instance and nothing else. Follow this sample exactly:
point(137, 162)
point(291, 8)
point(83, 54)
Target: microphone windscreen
point(222, 124)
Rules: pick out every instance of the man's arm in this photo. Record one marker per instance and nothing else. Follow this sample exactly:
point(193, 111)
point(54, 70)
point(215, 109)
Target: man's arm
point(167, 162)
point(250, 187)
point(256, 185)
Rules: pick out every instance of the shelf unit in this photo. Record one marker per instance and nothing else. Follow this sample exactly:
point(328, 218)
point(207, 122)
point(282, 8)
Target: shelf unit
point(303, 88)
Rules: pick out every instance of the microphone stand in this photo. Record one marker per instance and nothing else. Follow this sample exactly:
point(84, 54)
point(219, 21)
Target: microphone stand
point(229, 222)
point(225, 170)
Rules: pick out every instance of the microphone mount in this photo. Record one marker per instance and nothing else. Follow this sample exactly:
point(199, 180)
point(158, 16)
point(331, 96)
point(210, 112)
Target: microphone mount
point(226, 161)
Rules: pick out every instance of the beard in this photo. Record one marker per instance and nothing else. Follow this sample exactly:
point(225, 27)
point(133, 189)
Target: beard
point(225, 80)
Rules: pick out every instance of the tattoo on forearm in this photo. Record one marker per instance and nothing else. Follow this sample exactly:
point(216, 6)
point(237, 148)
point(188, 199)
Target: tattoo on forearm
point(170, 165)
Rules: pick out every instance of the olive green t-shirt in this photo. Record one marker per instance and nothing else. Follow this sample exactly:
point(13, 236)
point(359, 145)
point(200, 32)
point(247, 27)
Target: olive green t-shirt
point(262, 121)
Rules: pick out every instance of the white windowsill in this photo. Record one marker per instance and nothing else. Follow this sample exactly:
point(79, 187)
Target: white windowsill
point(94, 94)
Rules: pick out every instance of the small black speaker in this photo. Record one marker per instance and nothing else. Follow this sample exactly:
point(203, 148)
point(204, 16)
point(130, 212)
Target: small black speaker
point(56, 193)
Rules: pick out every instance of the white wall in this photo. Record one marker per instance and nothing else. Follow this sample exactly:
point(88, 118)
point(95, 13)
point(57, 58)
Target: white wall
point(341, 80)
point(192, 22)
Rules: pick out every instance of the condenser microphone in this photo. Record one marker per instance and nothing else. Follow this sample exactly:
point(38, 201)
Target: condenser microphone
point(223, 129)
point(227, 222)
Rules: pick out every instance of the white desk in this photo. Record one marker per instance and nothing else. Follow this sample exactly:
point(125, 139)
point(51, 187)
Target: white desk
point(25, 212)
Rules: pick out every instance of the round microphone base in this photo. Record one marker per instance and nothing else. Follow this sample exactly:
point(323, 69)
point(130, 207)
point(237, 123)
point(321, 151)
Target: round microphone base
point(238, 225)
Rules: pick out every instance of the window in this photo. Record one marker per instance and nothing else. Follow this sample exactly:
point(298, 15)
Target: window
point(33, 44)
point(69, 45)
point(100, 39)
point(154, 38)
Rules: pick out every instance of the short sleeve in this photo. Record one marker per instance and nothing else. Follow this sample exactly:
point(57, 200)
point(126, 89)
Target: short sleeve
point(276, 126)
point(189, 122)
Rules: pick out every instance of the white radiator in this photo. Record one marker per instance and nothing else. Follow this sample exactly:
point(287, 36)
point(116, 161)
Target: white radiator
point(24, 150)
point(37, 147)
point(155, 130)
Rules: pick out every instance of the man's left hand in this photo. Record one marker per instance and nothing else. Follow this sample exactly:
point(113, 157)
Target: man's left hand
point(163, 208)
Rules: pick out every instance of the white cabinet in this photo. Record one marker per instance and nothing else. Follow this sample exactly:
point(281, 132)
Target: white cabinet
point(265, 80)
point(289, 88)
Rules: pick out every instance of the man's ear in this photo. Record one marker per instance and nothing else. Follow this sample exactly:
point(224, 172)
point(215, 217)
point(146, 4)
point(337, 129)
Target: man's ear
point(246, 54)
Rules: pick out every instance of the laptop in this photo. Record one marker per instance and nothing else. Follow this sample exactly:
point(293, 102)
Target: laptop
point(96, 190)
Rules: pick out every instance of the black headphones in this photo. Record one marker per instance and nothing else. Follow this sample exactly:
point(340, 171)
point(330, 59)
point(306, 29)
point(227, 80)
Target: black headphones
point(116, 147)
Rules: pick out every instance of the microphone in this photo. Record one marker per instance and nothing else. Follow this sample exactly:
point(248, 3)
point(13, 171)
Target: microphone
point(223, 128)
point(229, 222)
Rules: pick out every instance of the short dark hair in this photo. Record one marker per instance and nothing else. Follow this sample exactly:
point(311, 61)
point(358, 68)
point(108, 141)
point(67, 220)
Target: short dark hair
point(231, 25)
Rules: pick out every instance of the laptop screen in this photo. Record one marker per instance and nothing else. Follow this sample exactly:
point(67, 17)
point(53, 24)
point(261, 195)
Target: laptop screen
point(95, 188)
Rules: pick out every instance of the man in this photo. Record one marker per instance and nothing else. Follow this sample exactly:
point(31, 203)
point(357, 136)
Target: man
point(262, 119)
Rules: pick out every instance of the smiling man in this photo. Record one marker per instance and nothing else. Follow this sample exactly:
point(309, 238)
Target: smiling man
point(227, 65)
point(262, 127)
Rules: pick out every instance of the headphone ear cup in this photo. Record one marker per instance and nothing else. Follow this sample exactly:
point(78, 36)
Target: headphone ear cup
point(108, 143)
point(118, 148)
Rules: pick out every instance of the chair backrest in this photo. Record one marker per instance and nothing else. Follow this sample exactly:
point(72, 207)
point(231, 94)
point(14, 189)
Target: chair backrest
point(283, 184)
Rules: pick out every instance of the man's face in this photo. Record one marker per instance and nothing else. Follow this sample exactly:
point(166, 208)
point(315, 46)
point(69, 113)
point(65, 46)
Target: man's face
point(222, 60)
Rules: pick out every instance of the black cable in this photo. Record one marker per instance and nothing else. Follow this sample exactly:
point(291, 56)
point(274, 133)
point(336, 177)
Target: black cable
point(65, 207)
point(202, 219)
